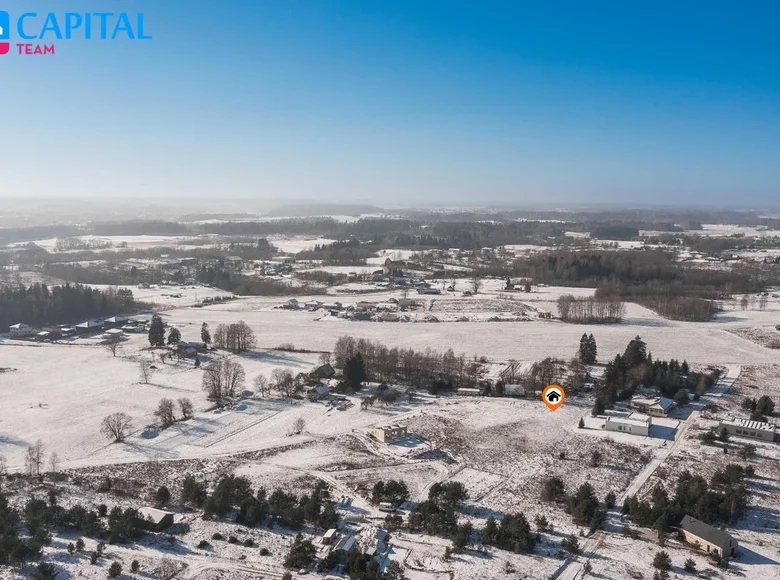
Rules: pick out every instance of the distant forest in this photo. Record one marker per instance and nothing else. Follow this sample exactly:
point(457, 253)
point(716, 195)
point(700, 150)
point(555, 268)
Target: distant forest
point(39, 305)
point(650, 277)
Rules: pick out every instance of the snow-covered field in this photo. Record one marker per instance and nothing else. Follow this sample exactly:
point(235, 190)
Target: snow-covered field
point(500, 449)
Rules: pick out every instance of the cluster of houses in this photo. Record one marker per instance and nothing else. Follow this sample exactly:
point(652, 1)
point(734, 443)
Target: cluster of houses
point(110, 328)
point(638, 418)
point(372, 541)
point(385, 311)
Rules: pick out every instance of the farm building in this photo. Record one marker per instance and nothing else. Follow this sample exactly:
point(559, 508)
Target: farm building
point(88, 326)
point(655, 406)
point(752, 429)
point(113, 334)
point(115, 322)
point(155, 520)
point(385, 434)
point(21, 329)
point(325, 371)
point(709, 538)
point(634, 424)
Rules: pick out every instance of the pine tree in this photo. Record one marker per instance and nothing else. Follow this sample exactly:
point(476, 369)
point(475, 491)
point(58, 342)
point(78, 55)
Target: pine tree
point(174, 336)
point(355, 372)
point(205, 335)
point(157, 331)
point(593, 350)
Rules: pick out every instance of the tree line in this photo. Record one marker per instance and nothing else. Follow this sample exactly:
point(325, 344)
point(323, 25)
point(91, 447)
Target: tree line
point(590, 310)
point(636, 367)
point(405, 365)
point(40, 305)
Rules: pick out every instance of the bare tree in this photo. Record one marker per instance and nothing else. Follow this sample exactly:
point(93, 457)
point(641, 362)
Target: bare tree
point(222, 379)
point(116, 426)
point(165, 413)
point(299, 425)
point(34, 458)
point(261, 385)
point(54, 462)
point(187, 408)
point(476, 285)
point(3, 465)
point(762, 302)
point(283, 382)
point(325, 358)
point(111, 345)
point(146, 371)
point(236, 337)
point(743, 303)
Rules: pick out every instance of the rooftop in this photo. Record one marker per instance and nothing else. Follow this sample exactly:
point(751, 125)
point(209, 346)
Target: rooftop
point(746, 423)
point(636, 419)
point(704, 531)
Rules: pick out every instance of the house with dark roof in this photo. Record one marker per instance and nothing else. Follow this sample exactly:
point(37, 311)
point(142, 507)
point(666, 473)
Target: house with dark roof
point(708, 538)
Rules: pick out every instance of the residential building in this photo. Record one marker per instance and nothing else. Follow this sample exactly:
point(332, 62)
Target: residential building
point(655, 406)
point(329, 537)
point(634, 424)
point(385, 434)
point(153, 519)
point(21, 329)
point(709, 538)
point(751, 429)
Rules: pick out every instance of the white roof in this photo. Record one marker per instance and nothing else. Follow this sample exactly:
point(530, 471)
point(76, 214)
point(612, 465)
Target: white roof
point(636, 419)
point(658, 402)
point(330, 533)
point(153, 514)
point(746, 423)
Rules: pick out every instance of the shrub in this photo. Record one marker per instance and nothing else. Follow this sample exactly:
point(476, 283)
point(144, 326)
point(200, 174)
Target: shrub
point(609, 501)
point(45, 571)
point(115, 570)
point(102, 510)
point(203, 544)
point(571, 544)
point(662, 561)
point(93, 558)
point(163, 496)
point(690, 565)
point(135, 566)
point(232, 540)
point(79, 545)
point(217, 536)
point(264, 552)
point(249, 542)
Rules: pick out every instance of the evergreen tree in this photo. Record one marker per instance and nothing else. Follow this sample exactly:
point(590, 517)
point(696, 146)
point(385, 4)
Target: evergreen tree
point(355, 372)
point(174, 336)
point(205, 334)
point(636, 353)
point(593, 350)
point(157, 331)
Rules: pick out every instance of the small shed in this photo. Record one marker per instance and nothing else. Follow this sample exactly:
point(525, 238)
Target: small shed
point(153, 519)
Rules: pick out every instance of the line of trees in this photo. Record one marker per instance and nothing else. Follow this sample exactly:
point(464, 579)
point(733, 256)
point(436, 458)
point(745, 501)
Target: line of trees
point(636, 367)
point(407, 366)
point(40, 305)
point(722, 500)
point(590, 310)
point(235, 337)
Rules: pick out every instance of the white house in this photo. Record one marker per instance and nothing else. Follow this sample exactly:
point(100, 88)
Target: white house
point(634, 424)
point(21, 329)
point(656, 406)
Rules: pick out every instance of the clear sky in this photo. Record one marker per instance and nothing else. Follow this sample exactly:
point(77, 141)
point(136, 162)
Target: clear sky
point(436, 102)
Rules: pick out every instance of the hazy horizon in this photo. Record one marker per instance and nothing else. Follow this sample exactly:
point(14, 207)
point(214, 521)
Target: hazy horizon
point(402, 105)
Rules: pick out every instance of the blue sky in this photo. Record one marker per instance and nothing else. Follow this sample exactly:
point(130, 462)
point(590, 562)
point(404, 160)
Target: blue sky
point(434, 102)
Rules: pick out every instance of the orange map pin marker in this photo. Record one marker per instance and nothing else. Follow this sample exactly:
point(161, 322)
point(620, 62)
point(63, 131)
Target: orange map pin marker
point(553, 396)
